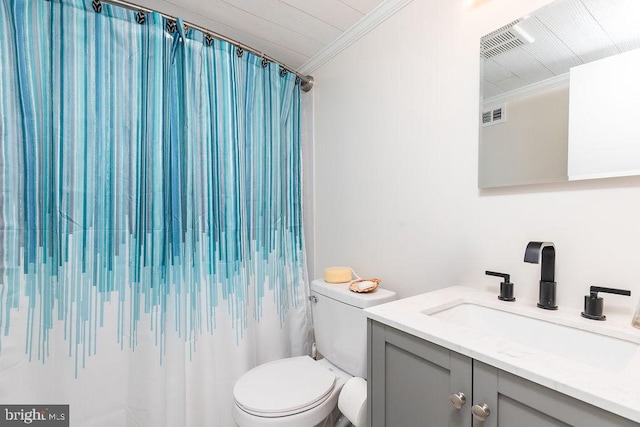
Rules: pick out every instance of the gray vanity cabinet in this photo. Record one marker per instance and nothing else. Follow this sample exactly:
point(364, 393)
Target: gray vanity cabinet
point(411, 381)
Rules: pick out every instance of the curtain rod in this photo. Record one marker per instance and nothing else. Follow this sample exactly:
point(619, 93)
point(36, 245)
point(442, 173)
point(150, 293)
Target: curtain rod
point(306, 82)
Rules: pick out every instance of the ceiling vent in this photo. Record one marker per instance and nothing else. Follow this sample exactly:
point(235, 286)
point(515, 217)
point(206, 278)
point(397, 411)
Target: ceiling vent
point(494, 116)
point(503, 40)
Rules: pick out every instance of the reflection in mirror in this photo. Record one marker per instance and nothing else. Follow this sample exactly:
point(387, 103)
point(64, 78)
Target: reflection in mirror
point(561, 94)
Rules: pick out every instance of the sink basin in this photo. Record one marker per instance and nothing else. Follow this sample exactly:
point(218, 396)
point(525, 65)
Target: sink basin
point(597, 350)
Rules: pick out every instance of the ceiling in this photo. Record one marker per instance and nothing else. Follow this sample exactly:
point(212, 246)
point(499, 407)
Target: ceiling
point(566, 33)
point(290, 31)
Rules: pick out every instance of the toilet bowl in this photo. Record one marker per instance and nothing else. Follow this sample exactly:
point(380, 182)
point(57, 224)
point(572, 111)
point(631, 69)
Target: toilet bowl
point(301, 391)
point(292, 392)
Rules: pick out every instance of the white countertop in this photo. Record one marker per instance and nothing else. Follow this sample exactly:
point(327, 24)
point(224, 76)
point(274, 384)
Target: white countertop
point(617, 392)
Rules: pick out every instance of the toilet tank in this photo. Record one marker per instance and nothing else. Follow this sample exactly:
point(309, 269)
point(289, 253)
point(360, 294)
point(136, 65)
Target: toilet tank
point(340, 325)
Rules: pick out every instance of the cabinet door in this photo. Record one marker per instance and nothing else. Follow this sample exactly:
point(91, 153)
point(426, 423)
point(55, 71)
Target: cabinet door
point(410, 381)
point(514, 401)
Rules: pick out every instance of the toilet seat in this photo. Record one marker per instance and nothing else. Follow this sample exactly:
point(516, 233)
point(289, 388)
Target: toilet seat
point(284, 387)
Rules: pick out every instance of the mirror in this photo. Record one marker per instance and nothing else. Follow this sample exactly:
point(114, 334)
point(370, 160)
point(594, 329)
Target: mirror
point(560, 95)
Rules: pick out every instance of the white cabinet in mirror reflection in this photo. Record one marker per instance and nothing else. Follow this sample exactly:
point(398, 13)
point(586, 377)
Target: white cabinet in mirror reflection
point(604, 117)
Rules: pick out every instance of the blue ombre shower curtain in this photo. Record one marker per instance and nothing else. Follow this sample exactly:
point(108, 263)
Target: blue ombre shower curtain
point(151, 245)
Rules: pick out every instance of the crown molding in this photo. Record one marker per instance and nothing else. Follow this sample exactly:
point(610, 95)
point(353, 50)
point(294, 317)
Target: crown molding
point(532, 89)
point(371, 20)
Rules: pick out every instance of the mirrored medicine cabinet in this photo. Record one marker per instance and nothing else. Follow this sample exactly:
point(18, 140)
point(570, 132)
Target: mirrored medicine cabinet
point(560, 95)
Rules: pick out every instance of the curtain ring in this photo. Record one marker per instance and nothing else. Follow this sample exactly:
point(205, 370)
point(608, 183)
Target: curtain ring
point(239, 52)
point(97, 6)
point(141, 17)
point(265, 62)
point(208, 39)
point(171, 27)
point(283, 72)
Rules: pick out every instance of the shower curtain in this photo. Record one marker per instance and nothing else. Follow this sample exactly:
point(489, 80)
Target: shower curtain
point(151, 245)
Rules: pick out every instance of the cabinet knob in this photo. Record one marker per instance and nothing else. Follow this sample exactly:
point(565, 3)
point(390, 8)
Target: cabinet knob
point(480, 411)
point(457, 399)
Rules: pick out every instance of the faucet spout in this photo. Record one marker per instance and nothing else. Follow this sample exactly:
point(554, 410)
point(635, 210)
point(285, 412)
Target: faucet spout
point(545, 250)
point(544, 253)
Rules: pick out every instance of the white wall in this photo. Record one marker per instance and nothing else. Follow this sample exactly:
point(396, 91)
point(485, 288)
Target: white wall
point(306, 141)
point(396, 134)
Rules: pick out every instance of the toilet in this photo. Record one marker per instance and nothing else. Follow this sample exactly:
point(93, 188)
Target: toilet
point(301, 391)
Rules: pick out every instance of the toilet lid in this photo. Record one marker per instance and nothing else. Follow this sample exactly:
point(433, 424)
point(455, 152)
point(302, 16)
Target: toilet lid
point(284, 387)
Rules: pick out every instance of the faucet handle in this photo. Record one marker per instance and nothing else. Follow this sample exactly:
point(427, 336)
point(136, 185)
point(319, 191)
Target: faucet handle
point(594, 305)
point(505, 276)
point(595, 289)
point(506, 287)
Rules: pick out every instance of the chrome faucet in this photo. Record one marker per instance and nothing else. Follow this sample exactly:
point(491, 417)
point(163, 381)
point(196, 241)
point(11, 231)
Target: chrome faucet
point(546, 251)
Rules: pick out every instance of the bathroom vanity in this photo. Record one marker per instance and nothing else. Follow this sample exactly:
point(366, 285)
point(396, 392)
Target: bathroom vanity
point(458, 356)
